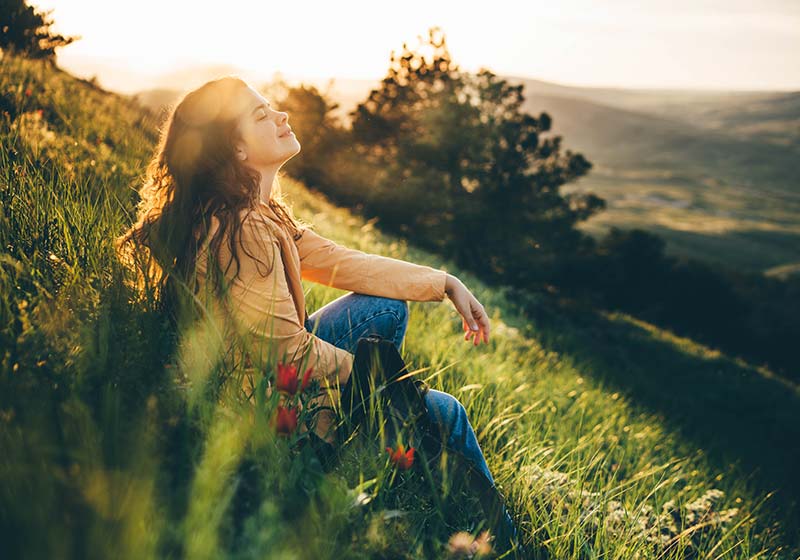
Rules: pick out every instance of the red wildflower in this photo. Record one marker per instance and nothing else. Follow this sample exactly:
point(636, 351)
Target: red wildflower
point(401, 458)
point(285, 420)
point(306, 379)
point(287, 379)
point(28, 92)
point(40, 112)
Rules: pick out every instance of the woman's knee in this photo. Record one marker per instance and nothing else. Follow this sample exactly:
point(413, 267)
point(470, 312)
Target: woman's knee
point(400, 307)
point(447, 409)
point(400, 310)
point(397, 308)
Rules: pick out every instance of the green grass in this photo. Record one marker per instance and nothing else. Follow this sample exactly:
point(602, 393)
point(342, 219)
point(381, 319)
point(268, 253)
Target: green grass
point(611, 438)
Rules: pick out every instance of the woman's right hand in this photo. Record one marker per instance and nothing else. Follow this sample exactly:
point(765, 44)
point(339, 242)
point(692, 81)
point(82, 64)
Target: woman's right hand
point(474, 319)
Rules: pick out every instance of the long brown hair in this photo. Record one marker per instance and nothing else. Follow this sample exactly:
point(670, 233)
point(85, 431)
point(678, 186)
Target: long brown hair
point(193, 176)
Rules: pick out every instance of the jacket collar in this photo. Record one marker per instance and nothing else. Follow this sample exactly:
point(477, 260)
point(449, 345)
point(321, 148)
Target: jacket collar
point(291, 261)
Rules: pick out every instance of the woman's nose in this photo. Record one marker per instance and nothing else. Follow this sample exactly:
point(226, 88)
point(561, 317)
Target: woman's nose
point(283, 117)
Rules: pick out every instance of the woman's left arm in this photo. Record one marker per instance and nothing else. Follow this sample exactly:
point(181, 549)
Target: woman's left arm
point(326, 262)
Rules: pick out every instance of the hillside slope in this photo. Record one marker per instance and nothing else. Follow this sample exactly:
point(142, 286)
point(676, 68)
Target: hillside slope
point(612, 438)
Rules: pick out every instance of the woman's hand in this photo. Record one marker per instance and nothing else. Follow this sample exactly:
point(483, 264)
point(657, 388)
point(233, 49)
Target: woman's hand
point(474, 319)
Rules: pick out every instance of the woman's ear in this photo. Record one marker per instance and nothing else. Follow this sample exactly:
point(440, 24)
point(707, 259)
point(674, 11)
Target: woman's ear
point(240, 153)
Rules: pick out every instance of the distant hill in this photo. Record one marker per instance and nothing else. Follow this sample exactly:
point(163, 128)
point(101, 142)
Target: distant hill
point(747, 137)
point(715, 181)
point(770, 116)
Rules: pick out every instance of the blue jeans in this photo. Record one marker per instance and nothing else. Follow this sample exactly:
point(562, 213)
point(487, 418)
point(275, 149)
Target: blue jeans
point(343, 321)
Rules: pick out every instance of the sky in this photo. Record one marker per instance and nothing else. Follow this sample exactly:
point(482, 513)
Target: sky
point(676, 44)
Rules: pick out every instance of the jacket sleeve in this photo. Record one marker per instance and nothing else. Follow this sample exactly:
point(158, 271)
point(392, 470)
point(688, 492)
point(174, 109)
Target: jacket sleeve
point(264, 311)
point(331, 264)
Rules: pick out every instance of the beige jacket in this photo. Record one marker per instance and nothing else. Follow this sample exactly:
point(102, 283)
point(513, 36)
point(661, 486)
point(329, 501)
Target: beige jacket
point(265, 308)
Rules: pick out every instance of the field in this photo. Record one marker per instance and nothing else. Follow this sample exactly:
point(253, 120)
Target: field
point(611, 438)
point(734, 227)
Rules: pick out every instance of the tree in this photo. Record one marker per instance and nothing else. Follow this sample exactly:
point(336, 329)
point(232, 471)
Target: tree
point(461, 169)
point(25, 31)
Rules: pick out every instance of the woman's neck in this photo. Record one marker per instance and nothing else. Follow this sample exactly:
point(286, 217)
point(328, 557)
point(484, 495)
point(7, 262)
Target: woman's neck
point(268, 175)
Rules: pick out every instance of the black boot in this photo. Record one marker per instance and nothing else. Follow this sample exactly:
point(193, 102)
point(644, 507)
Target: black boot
point(472, 480)
point(502, 526)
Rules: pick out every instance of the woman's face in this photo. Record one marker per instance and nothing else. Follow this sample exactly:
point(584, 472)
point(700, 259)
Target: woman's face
point(263, 131)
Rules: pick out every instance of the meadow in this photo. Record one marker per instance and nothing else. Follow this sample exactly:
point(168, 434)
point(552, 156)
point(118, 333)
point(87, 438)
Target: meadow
point(734, 227)
point(611, 438)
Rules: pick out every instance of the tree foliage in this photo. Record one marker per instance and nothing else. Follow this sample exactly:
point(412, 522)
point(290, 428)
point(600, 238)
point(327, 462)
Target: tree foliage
point(25, 31)
point(462, 169)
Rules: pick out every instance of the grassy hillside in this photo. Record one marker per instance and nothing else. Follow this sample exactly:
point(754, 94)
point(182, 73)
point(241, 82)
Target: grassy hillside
point(611, 438)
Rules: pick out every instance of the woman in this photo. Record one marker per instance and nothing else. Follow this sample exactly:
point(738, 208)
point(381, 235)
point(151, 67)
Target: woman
point(212, 197)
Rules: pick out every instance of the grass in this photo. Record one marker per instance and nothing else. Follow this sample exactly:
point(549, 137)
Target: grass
point(611, 438)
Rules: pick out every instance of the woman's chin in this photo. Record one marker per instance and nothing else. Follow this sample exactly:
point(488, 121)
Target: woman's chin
point(291, 154)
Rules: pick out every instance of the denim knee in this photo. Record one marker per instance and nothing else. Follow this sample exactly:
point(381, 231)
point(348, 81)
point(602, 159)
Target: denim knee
point(399, 309)
point(448, 412)
point(460, 420)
